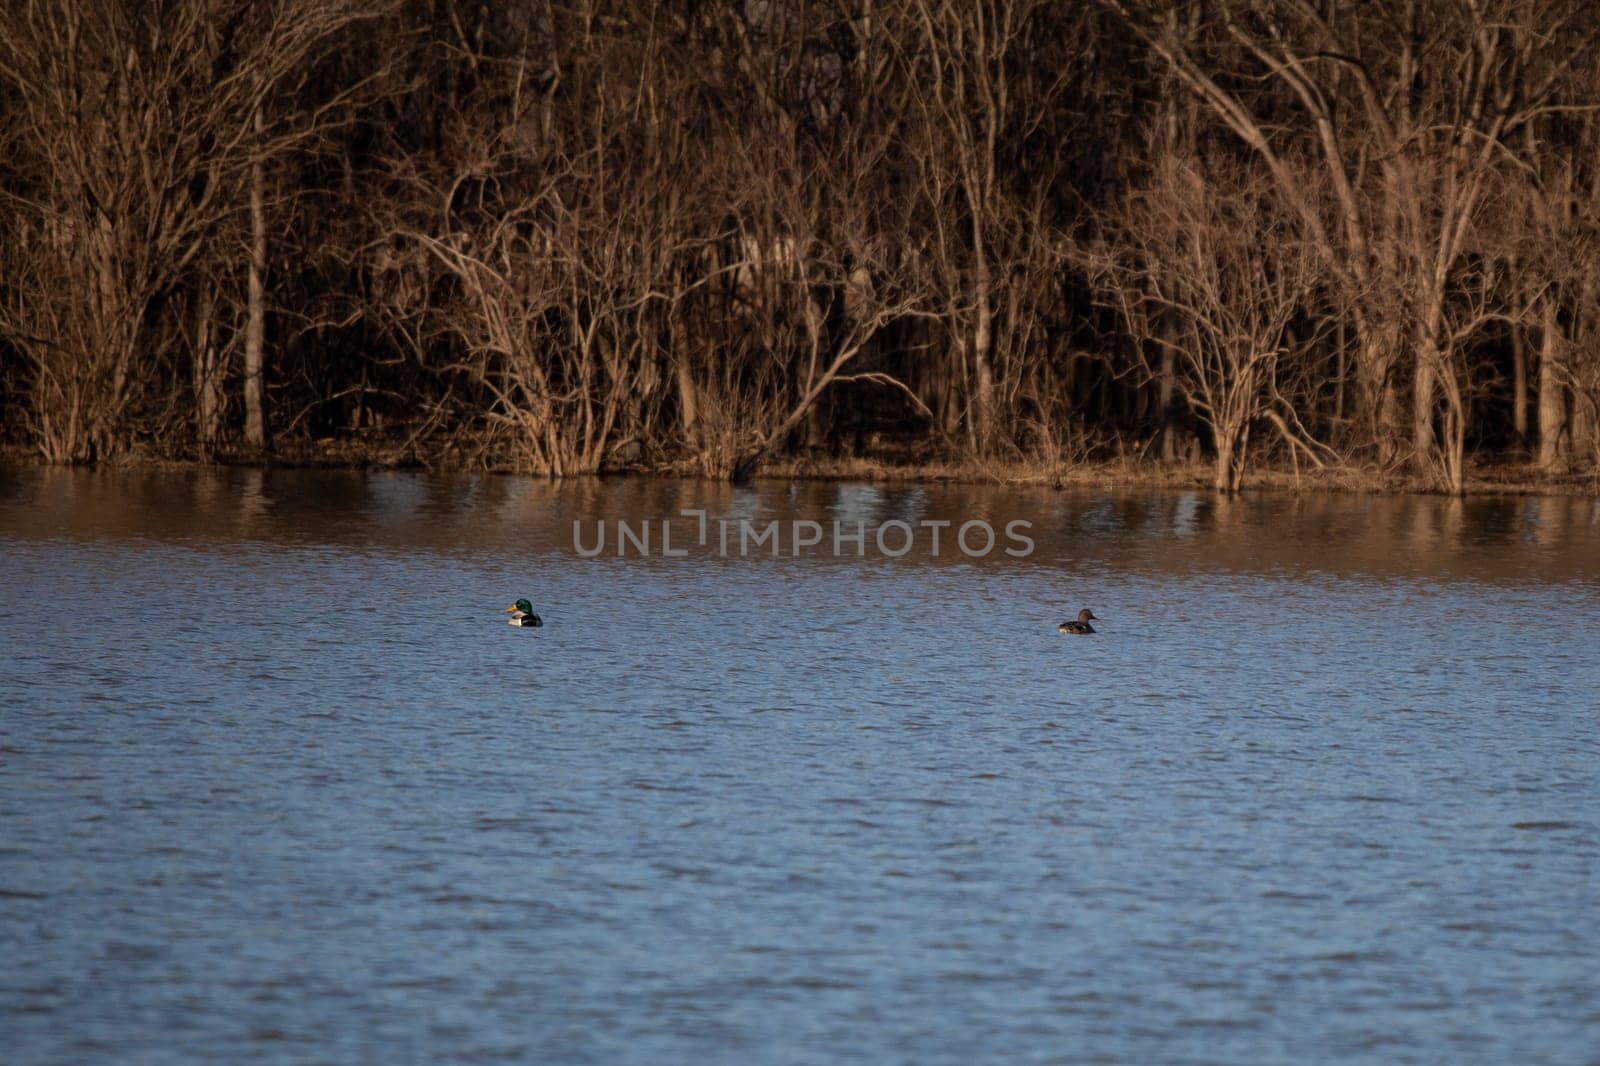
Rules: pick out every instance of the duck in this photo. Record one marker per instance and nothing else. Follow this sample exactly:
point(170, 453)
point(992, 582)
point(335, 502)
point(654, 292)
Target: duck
point(522, 614)
point(1082, 625)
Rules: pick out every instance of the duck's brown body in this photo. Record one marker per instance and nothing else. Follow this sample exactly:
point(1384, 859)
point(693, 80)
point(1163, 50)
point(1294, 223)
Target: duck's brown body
point(1082, 625)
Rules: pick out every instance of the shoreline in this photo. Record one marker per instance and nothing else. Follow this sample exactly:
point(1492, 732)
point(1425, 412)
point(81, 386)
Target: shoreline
point(1502, 478)
point(1177, 476)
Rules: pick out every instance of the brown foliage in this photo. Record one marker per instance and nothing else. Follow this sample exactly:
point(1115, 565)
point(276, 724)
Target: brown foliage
point(570, 234)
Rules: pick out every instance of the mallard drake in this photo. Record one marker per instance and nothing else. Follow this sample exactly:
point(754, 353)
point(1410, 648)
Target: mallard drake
point(1082, 625)
point(522, 614)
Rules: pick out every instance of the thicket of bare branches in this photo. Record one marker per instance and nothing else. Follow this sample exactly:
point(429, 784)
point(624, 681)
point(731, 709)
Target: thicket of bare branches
point(558, 235)
point(141, 131)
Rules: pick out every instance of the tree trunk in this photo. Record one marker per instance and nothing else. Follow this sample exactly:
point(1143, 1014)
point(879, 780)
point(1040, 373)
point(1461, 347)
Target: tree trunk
point(950, 389)
point(1223, 481)
point(1423, 386)
point(255, 425)
point(1519, 385)
point(1552, 393)
point(688, 404)
point(1585, 431)
point(1165, 392)
point(1387, 420)
point(1231, 440)
point(207, 378)
point(1376, 394)
point(983, 370)
point(1453, 433)
point(1339, 380)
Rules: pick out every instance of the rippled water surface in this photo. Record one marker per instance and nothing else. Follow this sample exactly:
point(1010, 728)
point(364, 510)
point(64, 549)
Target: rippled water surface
point(277, 783)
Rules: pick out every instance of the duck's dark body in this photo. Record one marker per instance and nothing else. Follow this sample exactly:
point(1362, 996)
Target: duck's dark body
point(530, 621)
point(1081, 625)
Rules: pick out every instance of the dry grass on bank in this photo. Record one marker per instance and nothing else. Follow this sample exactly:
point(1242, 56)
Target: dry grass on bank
point(1497, 477)
point(1488, 477)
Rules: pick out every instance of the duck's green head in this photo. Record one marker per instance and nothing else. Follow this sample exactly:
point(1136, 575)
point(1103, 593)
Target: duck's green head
point(522, 606)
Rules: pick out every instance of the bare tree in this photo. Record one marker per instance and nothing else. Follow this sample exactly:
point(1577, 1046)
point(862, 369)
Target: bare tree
point(140, 124)
point(974, 99)
point(1204, 262)
point(1414, 110)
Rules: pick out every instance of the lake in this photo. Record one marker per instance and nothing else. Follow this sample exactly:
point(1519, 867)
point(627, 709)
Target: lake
point(278, 783)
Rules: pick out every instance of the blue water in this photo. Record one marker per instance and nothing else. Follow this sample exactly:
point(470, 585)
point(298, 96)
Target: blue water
point(277, 783)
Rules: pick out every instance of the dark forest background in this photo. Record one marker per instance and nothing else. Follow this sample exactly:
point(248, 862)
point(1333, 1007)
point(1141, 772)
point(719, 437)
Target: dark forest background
point(561, 236)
